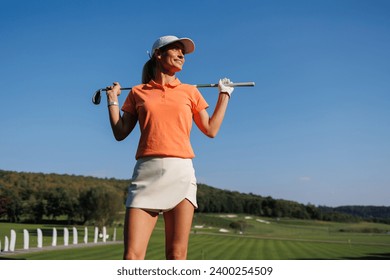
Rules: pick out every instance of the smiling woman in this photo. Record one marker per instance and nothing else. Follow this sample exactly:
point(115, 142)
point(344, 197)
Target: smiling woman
point(163, 179)
point(179, 47)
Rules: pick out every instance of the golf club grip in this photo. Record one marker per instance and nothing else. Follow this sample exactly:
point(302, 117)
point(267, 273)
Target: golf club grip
point(125, 88)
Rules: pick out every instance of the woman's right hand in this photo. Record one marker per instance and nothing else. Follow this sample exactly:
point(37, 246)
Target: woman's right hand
point(113, 91)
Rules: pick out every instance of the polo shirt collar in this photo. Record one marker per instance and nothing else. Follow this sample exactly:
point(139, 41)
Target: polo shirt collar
point(172, 84)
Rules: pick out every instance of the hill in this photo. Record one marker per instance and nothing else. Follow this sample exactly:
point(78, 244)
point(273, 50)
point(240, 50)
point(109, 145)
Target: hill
point(53, 195)
point(370, 213)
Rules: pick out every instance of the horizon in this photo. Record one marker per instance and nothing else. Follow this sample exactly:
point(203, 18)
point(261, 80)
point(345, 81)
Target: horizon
point(199, 183)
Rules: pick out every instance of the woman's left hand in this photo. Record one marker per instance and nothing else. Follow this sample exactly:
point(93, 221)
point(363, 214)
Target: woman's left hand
point(223, 86)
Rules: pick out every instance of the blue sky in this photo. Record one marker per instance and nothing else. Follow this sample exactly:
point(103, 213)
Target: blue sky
point(315, 128)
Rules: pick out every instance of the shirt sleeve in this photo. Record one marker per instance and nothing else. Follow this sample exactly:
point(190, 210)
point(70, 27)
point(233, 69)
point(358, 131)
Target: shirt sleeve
point(199, 103)
point(129, 105)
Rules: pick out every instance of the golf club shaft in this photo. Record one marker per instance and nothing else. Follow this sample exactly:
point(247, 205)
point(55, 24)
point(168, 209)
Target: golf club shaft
point(244, 84)
point(97, 96)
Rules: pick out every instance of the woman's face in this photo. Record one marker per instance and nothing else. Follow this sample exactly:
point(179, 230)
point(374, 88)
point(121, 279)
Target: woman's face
point(171, 57)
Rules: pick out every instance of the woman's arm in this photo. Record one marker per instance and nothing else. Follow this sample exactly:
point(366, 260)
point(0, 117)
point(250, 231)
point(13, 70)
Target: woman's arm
point(211, 126)
point(121, 125)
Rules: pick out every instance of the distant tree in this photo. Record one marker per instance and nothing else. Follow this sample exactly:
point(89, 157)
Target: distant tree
point(56, 202)
point(12, 204)
point(235, 202)
point(239, 225)
point(70, 203)
point(36, 206)
point(100, 205)
point(3, 202)
point(252, 205)
point(313, 212)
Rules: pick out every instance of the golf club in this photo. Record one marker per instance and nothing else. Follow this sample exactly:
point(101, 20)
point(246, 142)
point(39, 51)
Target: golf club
point(96, 98)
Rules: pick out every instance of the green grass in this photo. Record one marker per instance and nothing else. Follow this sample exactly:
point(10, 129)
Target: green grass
point(284, 239)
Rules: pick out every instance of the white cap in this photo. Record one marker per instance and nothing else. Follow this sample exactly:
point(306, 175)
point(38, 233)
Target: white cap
point(189, 45)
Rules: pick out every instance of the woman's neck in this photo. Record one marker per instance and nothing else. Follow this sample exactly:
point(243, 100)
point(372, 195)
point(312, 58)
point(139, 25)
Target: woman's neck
point(163, 78)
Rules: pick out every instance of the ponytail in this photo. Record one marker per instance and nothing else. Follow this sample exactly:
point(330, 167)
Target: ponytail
point(149, 70)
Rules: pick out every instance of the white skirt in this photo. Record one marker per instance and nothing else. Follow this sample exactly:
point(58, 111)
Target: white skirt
point(159, 184)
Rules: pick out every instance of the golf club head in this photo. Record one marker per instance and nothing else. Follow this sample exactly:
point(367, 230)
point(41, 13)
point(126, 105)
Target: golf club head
point(97, 97)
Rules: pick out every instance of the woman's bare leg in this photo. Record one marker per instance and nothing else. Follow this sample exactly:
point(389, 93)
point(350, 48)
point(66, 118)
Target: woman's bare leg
point(139, 225)
point(178, 223)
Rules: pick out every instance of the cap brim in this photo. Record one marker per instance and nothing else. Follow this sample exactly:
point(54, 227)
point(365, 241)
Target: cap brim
point(189, 45)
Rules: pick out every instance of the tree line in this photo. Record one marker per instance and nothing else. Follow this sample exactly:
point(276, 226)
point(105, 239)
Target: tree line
point(377, 214)
point(213, 200)
point(34, 197)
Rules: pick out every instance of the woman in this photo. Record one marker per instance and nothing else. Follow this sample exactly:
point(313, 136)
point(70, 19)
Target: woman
point(163, 178)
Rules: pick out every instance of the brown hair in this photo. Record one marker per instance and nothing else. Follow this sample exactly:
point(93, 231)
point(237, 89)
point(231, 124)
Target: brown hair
point(149, 70)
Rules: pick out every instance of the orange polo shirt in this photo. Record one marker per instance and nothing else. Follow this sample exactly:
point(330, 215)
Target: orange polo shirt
point(165, 117)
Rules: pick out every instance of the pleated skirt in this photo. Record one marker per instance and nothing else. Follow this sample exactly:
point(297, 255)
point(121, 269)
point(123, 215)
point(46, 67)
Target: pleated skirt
point(159, 184)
